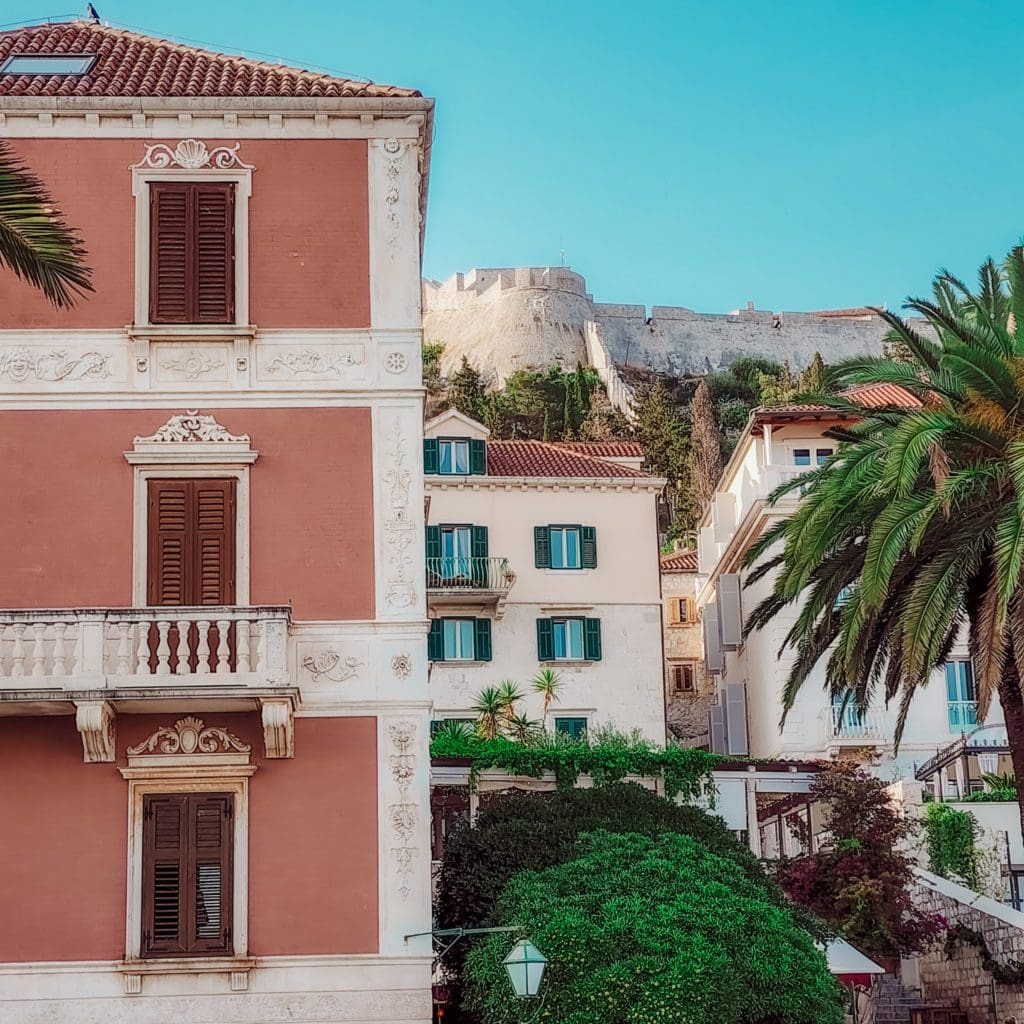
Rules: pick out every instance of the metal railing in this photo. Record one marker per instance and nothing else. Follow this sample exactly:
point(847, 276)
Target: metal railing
point(469, 574)
point(848, 723)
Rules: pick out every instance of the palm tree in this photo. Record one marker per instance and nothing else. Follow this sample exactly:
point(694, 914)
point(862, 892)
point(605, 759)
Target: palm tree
point(522, 728)
point(35, 241)
point(510, 695)
point(914, 530)
point(491, 710)
point(548, 683)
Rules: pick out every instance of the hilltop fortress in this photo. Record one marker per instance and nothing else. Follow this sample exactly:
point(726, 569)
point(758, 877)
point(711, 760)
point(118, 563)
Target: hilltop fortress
point(533, 317)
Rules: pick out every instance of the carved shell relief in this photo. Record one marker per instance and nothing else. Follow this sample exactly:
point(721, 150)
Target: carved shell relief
point(190, 736)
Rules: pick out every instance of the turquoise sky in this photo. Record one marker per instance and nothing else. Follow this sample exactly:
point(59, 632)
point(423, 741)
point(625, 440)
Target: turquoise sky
point(803, 155)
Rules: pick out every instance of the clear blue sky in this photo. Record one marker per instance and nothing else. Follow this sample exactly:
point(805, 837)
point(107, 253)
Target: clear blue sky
point(802, 154)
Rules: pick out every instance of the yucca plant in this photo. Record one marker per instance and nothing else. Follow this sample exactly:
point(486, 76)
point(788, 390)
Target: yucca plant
point(36, 243)
point(522, 728)
point(914, 529)
point(548, 683)
point(510, 695)
point(491, 710)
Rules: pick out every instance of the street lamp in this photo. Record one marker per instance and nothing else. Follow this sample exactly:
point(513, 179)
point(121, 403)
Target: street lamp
point(525, 966)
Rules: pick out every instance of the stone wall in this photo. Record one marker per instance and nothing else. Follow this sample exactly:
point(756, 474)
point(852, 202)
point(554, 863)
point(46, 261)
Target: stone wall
point(506, 319)
point(962, 981)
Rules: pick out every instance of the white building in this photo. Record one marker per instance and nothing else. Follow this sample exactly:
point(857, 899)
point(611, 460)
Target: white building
point(778, 444)
point(543, 555)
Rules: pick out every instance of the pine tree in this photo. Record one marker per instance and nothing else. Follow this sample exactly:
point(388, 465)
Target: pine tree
point(812, 379)
point(468, 391)
point(705, 447)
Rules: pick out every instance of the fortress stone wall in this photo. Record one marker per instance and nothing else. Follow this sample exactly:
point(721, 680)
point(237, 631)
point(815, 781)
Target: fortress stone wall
point(507, 319)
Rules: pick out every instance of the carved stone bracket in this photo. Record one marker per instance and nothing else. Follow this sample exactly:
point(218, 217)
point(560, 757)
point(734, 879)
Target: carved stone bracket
point(94, 719)
point(278, 728)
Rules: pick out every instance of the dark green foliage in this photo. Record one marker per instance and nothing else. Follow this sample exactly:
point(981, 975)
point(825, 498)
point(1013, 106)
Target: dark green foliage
point(467, 391)
point(1010, 973)
point(650, 929)
point(951, 837)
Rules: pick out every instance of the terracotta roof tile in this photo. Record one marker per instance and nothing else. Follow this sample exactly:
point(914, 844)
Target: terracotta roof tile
point(550, 459)
point(679, 561)
point(873, 396)
point(132, 64)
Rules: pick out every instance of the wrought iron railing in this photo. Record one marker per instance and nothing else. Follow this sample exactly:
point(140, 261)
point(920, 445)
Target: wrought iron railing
point(469, 574)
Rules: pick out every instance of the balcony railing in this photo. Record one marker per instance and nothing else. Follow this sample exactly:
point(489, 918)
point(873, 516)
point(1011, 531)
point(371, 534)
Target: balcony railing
point(858, 726)
point(60, 645)
point(469, 574)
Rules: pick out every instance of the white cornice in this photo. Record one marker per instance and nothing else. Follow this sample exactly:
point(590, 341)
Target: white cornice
point(618, 484)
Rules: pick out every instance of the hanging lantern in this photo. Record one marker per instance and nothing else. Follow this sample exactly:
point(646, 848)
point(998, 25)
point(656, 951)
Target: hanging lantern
point(525, 965)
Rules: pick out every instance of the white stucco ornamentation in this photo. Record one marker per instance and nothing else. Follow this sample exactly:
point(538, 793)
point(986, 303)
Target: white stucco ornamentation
point(312, 363)
point(395, 362)
point(401, 665)
point(192, 365)
point(190, 736)
point(94, 719)
point(403, 814)
point(191, 155)
point(392, 195)
point(331, 665)
point(278, 727)
point(190, 428)
point(399, 528)
point(20, 364)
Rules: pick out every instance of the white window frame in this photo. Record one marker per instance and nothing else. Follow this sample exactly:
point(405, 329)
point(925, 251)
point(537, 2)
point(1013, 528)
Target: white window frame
point(227, 774)
point(564, 531)
point(569, 656)
point(454, 442)
point(142, 178)
point(472, 638)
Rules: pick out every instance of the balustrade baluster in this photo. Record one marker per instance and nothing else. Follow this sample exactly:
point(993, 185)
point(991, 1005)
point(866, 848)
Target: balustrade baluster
point(124, 649)
point(60, 655)
point(203, 647)
point(182, 666)
point(3, 640)
point(242, 645)
point(18, 652)
point(258, 647)
point(142, 651)
point(39, 649)
point(223, 632)
point(163, 650)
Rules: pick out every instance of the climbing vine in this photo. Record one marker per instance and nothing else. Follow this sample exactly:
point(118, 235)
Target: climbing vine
point(952, 838)
point(1011, 973)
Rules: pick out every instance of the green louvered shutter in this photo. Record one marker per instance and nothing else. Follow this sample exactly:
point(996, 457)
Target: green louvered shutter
point(477, 457)
point(433, 542)
point(588, 543)
point(431, 459)
point(435, 640)
point(478, 550)
point(592, 639)
point(545, 641)
point(541, 547)
point(482, 639)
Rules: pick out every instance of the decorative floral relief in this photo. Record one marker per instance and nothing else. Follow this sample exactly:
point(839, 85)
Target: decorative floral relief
point(19, 364)
point(399, 530)
point(192, 365)
point(191, 154)
point(331, 665)
point(401, 665)
point(190, 736)
point(315, 363)
point(403, 814)
point(193, 426)
point(395, 362)
point(395, 151)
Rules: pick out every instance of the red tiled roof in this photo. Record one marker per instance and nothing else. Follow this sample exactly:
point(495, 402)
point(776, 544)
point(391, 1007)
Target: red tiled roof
point(877, 396)
point(605, 449)
point(132, 64)
point(550, 459)
point(679, 561)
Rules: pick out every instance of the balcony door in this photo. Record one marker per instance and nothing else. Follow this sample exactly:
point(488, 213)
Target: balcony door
point(191, 563)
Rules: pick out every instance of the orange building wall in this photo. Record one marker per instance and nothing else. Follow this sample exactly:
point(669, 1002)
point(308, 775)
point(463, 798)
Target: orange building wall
point(66, 509)
point(308, 231)
point(63, 845)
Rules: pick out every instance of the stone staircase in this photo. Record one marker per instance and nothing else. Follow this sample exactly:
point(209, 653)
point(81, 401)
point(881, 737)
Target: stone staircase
point(895, 1002)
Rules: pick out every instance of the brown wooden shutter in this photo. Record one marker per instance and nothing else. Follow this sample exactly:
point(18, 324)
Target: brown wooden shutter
point(214, 253)
point(192, 252)
point(187, 874)
point(164, 859)
point(191, 554)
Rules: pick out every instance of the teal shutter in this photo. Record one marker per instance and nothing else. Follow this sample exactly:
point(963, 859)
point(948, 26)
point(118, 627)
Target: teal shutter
point(477, 457)
point(431, 457)
point(482, 639)
point(592, 639)
point(433, 542)
point(541, 547)
point(588, 544)
point(435, 640)
point(478, 551)
point(479, 541)
point(545, 640)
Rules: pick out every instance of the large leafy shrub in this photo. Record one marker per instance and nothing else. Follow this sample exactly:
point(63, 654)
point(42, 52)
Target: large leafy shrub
point(951, 839)
point(654, 931)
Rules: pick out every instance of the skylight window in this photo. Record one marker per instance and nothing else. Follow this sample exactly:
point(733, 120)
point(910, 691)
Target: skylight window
point(48, 64)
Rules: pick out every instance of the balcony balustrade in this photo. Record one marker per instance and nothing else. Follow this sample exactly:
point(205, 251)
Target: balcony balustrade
point(849, 725)
point(478, 582)
point(70, 649)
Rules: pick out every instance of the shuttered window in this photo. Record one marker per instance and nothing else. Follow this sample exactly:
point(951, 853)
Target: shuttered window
point(569, 639)
point(192, 253)
point(186, 874)
point(459, 640)
point(565, 547)
point(191, 557)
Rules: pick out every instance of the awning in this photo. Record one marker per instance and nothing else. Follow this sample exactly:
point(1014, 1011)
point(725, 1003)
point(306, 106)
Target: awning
point(843, 959)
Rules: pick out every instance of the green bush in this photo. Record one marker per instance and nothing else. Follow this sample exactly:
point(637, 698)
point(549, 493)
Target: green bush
point(653, 931)
point(951, 837)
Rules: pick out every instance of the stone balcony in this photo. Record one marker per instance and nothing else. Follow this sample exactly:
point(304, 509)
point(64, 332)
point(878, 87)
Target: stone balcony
point(97, 662)
point(470, 584)
point(853, 728)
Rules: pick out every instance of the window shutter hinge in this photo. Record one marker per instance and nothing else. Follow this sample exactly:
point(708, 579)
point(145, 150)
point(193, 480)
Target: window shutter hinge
point(227, 937)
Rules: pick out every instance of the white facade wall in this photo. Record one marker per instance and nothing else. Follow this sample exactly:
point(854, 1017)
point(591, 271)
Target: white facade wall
point(738, 514)
point(625, 688)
